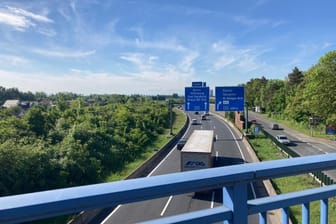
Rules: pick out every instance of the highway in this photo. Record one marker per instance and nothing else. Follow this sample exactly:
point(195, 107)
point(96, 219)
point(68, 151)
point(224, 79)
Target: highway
point(303, 145)
point(228, 150)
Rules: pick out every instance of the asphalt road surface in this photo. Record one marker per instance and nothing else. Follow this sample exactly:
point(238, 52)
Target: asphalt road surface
point(303, 145)
point(228, 150)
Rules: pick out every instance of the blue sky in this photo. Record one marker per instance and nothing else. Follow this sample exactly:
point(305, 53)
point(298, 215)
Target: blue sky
point(158, 46)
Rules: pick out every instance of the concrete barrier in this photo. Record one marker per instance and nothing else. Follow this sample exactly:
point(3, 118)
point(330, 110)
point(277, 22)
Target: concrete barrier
point(98, 215)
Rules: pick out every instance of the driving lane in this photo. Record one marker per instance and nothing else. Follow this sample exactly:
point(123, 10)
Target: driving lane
point(303, 145)
point(228, 150)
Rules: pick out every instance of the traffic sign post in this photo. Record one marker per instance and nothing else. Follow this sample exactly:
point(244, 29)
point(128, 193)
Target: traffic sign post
point(196, 99)
point(229, 98)
point(197, 84)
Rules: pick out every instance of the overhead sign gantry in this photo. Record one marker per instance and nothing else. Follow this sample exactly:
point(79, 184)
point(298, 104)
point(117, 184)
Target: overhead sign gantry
point(196, 99)
point(229, 98)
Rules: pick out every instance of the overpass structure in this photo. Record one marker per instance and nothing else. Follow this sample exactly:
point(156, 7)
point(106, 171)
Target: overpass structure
point(233, 180)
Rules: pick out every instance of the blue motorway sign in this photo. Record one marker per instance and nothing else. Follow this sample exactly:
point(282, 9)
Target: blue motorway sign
point(196, 99)
point(229, 98)
point(330, 130)
point(197, 84)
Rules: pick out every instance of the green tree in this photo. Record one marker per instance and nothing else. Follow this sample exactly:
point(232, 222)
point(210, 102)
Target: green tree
point(320, 87)
point(295, 77)
point(37, 121)
point(254, 91)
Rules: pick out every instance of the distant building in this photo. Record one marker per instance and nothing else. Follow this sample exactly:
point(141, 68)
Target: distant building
point(46, 103)
point(257, 109)
point(11, 103)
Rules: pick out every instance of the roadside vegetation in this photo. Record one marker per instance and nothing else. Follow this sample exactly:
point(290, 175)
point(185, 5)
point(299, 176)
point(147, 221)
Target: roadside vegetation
point(179, 119)
point(305, 100)
point(78, 141)
point(267, 150)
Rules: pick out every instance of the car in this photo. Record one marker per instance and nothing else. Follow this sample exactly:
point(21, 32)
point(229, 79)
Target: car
point(203, 117)
point(196, 112)
point(254, 121)
point(194, 121)
point(180, 144)
point(283, 139)
point(275, 126)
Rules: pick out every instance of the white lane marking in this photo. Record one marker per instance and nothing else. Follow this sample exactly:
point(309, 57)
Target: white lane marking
point(213, 199)
point(166, 206)
point(316, 147)
point(115, 210)
point(171, 151)
point(164, 159)
point(216, 155)
point(240, 150)
point(112, 213)
point(253, 191)
point(242, 155)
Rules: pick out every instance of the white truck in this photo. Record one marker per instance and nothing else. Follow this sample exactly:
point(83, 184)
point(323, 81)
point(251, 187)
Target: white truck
point(197, 152)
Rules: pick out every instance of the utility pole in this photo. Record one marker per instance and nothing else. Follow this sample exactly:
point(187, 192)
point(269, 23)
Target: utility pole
point(171, 117)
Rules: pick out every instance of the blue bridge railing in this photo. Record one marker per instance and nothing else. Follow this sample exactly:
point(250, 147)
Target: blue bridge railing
point(234, 181)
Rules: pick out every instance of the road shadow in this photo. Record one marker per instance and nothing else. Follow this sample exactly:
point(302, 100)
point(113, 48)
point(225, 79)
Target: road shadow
point(294, 143)
point(209, 195)
point(227, 161)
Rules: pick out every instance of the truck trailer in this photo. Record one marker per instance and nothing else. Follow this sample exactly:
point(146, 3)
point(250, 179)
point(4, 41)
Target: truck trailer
point(197, 152)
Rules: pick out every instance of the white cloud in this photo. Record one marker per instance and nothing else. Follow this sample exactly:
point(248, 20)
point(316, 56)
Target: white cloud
point(187, 62)
point(47, 32)
point(163, 44)
point(86, 82)
point(140, 60)
point(18, 22)
point(21, 19)
point(64, 53)
point(27, 14)
point(252, 23)
point(242, 59)
point(12, 60)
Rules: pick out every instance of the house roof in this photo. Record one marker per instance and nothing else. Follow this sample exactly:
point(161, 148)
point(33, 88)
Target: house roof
point(10, 103)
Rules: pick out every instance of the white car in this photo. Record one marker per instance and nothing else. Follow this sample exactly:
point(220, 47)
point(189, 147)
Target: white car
point(194, 121)
point(283, 139)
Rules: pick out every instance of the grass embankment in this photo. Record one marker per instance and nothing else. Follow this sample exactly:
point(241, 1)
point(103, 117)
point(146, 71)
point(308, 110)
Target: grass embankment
point(316, 131)
point(179, 120)
point(266, 150)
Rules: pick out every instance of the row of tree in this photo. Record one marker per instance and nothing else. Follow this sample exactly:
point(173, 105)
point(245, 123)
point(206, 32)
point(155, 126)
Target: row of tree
point(75, 142)
point(302, 95)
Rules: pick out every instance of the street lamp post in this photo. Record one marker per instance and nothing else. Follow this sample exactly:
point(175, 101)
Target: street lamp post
point(170, 105)
point(171, 118)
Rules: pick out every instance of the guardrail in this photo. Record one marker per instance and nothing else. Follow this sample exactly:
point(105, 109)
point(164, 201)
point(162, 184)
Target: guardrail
point(233, 179)
point(319, 175)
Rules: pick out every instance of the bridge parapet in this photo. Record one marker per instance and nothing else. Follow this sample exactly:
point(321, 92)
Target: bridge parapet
point(233, 180)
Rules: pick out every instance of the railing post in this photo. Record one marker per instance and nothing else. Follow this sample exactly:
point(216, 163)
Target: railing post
point(324, 211)
point(285, 215)
point(305, 213)
point(235, 198)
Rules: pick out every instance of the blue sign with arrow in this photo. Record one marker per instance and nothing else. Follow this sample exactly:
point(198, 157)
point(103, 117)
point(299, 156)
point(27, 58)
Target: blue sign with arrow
point(196, 99)
point(229, 98)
